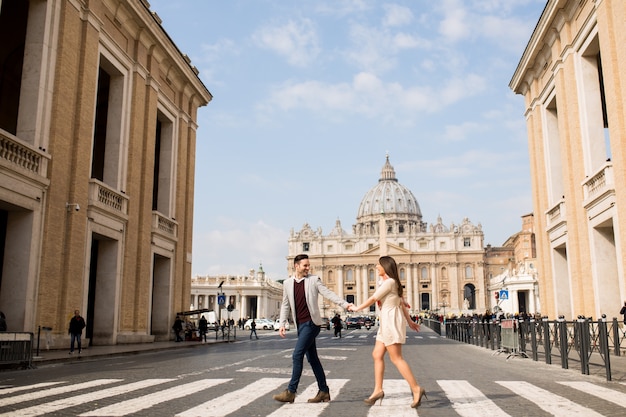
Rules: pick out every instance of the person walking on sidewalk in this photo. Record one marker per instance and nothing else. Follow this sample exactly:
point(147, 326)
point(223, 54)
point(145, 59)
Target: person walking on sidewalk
point(178, 328)
point(203, 328)
point(623, 311)
point(337, 325)
point(253, 329)
point(77, 324)
point(300, 294)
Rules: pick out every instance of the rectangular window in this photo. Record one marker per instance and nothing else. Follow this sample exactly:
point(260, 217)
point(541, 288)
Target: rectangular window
point(467, 242)
point(305, 246)
point(401, 244)
point(329, 248)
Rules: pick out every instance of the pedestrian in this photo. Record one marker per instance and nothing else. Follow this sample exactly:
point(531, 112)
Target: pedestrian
point(337, 325)
point(253, 329)
point(3, 322)
point(300, 294)
point(77, 324)
point(203, 327)
point(394, 316)
point(623, 311)
point(178, 328)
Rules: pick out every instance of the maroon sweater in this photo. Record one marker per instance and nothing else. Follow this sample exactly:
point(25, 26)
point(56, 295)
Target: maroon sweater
point(302, 311)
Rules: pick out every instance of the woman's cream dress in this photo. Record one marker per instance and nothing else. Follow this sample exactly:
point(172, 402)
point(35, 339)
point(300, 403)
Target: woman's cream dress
point(392, 321)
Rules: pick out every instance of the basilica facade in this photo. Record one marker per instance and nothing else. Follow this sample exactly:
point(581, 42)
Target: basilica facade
point(441, 266)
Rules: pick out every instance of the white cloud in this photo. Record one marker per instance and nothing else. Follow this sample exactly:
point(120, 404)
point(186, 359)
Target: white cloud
point(454, 25)
point(462, 131)
point(235, 247)
point(296, 41)
point(371, 96)
point(396, 15)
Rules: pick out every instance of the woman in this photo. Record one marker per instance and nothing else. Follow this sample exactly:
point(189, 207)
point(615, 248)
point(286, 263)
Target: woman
point(392, 331)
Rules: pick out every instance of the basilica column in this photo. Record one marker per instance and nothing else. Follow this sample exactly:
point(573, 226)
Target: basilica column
point(365, 283)
point(340, 283)
point(434, 302)
point(409, 286)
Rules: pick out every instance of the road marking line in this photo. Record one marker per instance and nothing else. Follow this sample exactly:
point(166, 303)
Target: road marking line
point(234, 400)
point(279, 371)
point(51, 407)
point(301, 406)
point(141, 403)
point(547, 401)
point(468, 401)
point(11, 390)
point(607, 394)
point(55, 391)
point(397, 401)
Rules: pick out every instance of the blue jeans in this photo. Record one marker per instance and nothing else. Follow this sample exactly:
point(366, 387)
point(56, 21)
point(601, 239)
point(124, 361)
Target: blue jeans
point(75, 337)
point(307, 332)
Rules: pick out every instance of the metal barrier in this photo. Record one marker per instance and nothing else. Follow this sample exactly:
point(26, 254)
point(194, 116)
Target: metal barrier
point(532, 338)
point(434, 325)
point(16, 349)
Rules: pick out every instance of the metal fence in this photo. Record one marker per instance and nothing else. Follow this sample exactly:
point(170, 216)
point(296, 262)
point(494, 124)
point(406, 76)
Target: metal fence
point(584, 342)
point(16, 349)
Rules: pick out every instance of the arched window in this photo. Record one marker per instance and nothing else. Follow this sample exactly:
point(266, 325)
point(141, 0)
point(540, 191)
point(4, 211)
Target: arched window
point(350, 275)
point(469, 272)
point(424, 273)
point(444, 273)
point(372, 275)
point(330, 276)
point(402, 274)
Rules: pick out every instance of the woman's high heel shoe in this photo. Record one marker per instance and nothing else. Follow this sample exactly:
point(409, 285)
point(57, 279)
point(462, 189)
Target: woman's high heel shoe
point(372, 400)
point(417, 403)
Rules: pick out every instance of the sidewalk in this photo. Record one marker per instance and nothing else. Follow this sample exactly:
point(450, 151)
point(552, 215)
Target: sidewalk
point(62, 355)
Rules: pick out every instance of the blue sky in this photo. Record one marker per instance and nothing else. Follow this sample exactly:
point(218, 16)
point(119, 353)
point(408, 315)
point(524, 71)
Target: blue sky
point(309, 97)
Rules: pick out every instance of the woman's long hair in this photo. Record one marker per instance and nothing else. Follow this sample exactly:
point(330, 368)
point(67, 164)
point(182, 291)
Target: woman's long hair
point(391, 269)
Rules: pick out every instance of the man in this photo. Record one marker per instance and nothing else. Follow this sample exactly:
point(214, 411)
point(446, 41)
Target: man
point(178, 329)
point(337, 325)
point(253, 329)
point(77, 324)
point(203, 327)
point(300, 294)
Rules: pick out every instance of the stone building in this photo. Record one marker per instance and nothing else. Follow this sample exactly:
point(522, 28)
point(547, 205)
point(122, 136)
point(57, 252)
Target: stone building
point(252, 296)
point(440, 265)
point(98, 114)
point(572, 75)
point(512, 272)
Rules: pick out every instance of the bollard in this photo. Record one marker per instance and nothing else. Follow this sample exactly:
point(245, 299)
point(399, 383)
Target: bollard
point(533, 340)
point(547, 346)
point(563, 341)
point(604, 347)
point(616, 338)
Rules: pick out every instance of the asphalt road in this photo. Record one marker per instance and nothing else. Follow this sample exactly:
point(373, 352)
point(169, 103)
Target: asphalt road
point(239, 379)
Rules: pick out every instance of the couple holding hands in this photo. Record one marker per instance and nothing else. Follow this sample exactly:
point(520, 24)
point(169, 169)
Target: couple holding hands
point(300, 300)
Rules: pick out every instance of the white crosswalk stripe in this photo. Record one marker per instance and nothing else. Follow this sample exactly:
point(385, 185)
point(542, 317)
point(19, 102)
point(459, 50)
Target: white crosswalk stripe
point(54, 391)
point(61, 404)
point(601, 392)
point(466, 399)
point(547, 401)
point(234, 400)
point(137, 404)
point(301, 407)
point(396, 402)
point(469, 401)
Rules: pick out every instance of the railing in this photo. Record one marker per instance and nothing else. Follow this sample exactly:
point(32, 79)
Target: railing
point(599, 183)
point(163, 225)
point(16, 349)
point(23, 155)
point(106, 198)
point(588, 342)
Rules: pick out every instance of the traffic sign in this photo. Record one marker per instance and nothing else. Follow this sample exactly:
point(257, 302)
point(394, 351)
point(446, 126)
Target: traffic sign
point(221, 299)
point(504, 294)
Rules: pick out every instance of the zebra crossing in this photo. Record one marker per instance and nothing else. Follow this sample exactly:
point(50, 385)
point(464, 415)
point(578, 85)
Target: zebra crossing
point(141, 397)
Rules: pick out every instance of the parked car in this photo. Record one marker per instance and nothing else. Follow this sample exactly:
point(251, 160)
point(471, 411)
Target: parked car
point(277, 325)
point(261, 324)
point(353, 323)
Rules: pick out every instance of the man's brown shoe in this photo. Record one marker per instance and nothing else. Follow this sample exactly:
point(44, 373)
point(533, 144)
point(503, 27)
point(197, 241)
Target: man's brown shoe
point(286, 396)
point(321, 397)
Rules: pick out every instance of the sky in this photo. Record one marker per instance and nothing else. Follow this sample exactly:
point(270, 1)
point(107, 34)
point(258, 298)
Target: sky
point(309, 97)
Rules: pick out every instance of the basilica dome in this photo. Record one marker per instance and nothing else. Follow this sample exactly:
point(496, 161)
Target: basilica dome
point(390, 198)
